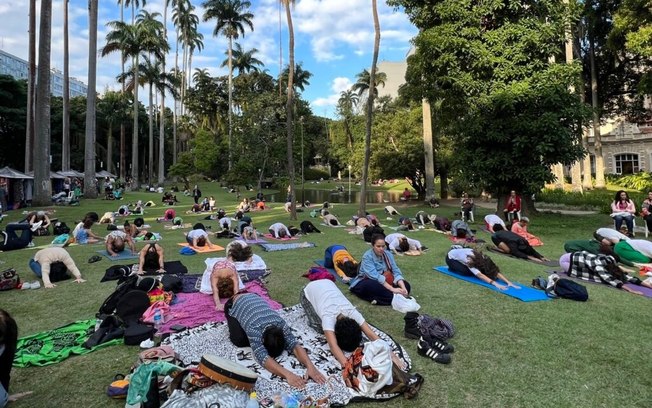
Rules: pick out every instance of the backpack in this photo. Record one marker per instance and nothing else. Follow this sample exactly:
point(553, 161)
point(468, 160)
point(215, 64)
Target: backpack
point(9, 279)
point(568, 289)
point(60, 228)
point(109, 305)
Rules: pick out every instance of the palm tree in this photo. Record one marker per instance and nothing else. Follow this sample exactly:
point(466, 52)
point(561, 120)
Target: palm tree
point(65, 142)
point(195, 42)
point(363, 80)
point(113, 108)
point(290, 104)
point(42, 189)
point(371, 94)
point(31, 82)
point(231, 18)
point(300, 78)
point(348, 100)
point(145, 36)
point(91, 99)
point(243, 61)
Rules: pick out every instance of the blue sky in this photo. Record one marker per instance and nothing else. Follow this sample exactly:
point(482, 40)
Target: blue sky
point(334, 40)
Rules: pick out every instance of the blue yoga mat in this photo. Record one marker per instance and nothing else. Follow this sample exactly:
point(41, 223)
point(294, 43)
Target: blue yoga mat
point(126, 254)
point(320, 262)
point(526, 294)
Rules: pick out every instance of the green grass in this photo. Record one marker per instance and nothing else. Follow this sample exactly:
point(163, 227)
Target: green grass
point(508, 353)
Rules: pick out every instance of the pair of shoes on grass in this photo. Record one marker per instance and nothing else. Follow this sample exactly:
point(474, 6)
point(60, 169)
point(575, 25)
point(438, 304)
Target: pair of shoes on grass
point(435, 349)
point(31, 285)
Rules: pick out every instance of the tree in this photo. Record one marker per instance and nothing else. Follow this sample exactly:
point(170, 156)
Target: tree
point(42, 185)
point(13, 113)
point(31, 82)
point(345, 105)
point(231, 18)
point(372, 93)
point(363, 79)
point(632, 33)
point(91, 99)
point(65, 142)
point(243, 61)
point(289, 122)
point(113, 108)
point(505, 101)
point(300, 79)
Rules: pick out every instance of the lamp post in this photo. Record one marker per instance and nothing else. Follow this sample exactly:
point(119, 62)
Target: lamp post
point(260, 181)
point(349, 184)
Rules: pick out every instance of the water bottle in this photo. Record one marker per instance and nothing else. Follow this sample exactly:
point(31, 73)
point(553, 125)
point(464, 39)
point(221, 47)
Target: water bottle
point(253, 402)
point(157, 319)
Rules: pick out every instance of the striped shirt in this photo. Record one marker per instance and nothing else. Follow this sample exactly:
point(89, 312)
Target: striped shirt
point(254, 315)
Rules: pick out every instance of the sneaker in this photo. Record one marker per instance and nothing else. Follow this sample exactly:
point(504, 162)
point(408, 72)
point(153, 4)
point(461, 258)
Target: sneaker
point(35, 285)
point(26, 285)
point(36, 226)
point(438, 345)
point(374, 302)
point(31, 244)
point(425, 350)
point(147, 344)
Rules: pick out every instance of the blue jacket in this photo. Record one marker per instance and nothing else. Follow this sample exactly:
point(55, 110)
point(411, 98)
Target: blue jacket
point(373, 266)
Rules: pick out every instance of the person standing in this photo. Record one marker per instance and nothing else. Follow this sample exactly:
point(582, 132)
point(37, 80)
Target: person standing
point(196, 194)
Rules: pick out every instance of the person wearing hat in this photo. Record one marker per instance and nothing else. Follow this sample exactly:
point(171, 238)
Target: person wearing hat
point(43, 260)
point(520, 228)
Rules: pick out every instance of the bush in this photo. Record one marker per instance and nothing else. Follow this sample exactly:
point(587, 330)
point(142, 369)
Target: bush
point(313, 174)
point(640, 181)
point(599, 200)
point(458, 186)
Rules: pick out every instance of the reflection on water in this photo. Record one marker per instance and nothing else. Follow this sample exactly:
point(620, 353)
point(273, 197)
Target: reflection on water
point(319, 196)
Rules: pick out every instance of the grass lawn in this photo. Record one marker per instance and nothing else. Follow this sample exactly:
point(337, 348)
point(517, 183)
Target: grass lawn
point(507, 353)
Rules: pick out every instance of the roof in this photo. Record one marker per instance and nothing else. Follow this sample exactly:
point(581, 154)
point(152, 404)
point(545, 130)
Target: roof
point(8, 172)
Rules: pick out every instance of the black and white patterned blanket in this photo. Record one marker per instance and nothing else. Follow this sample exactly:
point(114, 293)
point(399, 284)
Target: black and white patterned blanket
point(213, 338)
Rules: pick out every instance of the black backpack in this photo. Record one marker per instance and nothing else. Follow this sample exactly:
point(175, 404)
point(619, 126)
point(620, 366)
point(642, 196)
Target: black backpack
point(111, 302)
point(568, 289)
point(60, 227)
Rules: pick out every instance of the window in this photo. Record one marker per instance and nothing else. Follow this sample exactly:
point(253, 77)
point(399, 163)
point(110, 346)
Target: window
point(626, 163)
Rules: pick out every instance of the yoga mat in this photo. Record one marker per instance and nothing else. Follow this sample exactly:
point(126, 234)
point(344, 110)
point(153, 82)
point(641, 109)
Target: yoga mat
point(126, 254)
point(175, 227)
point(53, 346)
point(204, 249)
point(647, 292)
point(552, 263)
point(213, 338)
point(333, 272)
point(333, 226)
point(526, 294)
point(195, 309)
point(285, 247)
point(270, 236)
point(171, 268)
point(252, 242)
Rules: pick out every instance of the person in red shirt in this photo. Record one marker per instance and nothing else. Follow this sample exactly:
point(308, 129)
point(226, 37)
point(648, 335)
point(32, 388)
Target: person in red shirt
point(406, 194)
point(512, 207)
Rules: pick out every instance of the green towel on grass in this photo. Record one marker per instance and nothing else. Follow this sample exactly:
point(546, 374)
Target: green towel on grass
point(53, 346)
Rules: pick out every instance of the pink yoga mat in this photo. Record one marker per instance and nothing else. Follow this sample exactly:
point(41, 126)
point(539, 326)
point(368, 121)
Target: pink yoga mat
point(270, 236)
point(195, 309)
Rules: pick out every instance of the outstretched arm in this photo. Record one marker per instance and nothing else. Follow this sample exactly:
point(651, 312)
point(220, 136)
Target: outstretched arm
point(301, 355)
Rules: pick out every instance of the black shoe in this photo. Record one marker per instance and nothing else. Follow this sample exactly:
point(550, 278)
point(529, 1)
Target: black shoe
point(438, 345)
point(425, 350)
point(424, 249)
point(411, 329)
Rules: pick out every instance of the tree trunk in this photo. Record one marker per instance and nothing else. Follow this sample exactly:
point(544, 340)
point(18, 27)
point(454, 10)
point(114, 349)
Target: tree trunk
point(428, 149)
point(362, 209)
point(91, 99)
point(109, 148)
point(576, 169)
point(443, 183)
point(175, 113)
point(231, 100)
point(134, 141)
point(42, 184)
point(65, 141)
point(289, 108)
point(150, 150)
point(123, 130)
point(161, 144)
point(31, 82)
point(597, 138)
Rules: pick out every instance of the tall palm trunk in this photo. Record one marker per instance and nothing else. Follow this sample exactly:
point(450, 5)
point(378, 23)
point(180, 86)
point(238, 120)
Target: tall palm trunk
point(65, 142)
point(150, 150)
point(597, 137)
point(428, 149)
point(134, 142)
point(123, 130)
point(576, 167)
point(231, 100)
point(289, 119)
point(91, 99)
point(362, 209)
point(109, 148)
point(42, 185)
point(31, 82)
point(161, 130)
point(176, 101)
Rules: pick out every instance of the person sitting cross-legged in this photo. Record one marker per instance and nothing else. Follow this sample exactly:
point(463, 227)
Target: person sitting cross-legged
point(253, 323)
point(329, 312)
point(520, 228)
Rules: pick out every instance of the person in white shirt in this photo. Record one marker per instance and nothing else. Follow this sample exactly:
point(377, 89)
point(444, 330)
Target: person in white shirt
point(609, 236)
point(331, 220)
point(399, 243)
point(224, 223)
point(198, 237)
point(279, 230)
point(389, 210)
point(470, 262)
point(328, 311)
point(492, 219)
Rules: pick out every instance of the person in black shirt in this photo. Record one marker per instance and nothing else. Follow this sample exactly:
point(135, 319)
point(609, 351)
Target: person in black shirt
point(513, 244)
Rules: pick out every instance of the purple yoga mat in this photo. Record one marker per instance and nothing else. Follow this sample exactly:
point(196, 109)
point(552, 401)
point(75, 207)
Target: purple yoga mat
point(647, 292)
point(195, 309)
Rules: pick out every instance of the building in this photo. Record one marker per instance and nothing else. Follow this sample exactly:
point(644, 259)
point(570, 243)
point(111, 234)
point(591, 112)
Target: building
point(626, 147)
point(395, 72)
point(17, 68)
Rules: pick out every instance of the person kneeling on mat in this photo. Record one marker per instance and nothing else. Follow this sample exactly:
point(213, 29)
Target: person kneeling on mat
point(115, 243)
point(253, 323)
point(470, 262)
point(42, 262)
point(329, 312)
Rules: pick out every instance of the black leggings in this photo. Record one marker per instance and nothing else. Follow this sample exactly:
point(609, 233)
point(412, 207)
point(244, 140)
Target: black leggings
point(237, 335)
point(12, 240)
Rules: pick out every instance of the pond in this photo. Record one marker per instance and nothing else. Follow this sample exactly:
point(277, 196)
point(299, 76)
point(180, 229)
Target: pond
point(319, 196)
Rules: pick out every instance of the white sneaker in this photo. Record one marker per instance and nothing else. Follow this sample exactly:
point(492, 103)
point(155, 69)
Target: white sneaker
point(36, 226)
point(35, 285)
point(31, 244)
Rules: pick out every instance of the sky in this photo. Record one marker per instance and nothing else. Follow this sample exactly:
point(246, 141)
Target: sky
point(333, 40)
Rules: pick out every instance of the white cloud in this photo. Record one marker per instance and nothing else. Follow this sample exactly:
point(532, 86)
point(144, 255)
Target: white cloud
point(338, 85)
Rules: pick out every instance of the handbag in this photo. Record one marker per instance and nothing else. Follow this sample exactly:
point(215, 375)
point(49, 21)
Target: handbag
point(389, 276)
point(9, 279)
